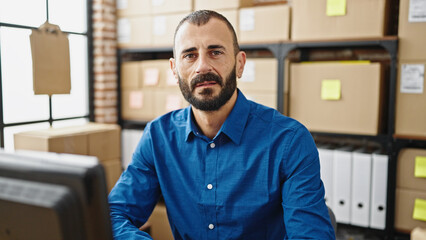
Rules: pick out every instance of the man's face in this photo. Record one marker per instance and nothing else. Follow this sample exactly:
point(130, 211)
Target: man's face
point(205, 64)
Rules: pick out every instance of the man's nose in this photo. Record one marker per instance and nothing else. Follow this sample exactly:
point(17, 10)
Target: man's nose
point(203, 65)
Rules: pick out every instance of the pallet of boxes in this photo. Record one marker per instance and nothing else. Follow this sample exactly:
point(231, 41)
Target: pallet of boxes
point(410, 199)
point(93, 139)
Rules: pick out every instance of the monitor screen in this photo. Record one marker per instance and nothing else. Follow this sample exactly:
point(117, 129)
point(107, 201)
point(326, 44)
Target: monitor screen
point(81, 196)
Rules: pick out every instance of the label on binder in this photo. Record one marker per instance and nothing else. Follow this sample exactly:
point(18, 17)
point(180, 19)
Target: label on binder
point(412, 78)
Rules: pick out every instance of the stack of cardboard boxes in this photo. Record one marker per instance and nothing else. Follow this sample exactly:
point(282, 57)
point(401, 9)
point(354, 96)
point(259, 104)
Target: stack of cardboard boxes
point(410, 200)
point(93, 139)
point(148, 90)
point(338, 97)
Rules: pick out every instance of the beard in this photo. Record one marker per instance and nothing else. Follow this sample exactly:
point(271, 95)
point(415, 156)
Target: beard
point(209, 102)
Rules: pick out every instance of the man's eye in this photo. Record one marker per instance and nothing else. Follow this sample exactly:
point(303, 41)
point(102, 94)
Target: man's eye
point(189, 55)
point(216, 53)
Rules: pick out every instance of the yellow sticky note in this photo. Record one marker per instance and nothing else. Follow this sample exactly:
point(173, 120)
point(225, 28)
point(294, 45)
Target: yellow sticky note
point(336, 7)
point(330, 89)
point(419, 212)
point(420, 167)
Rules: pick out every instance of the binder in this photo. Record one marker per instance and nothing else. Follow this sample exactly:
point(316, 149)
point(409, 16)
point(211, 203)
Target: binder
point(342, 176)
point(361, 182)
point(379, 191)
point(326, 163)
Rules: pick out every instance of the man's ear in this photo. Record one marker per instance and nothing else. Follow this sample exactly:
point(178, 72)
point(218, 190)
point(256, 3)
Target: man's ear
point(240, 63)
point(173, 68)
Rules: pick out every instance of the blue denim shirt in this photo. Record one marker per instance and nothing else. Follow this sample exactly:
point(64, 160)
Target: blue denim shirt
point(259, 178)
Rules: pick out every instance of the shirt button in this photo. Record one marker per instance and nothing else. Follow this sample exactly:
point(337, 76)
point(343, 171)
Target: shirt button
point(209, 186)
point(212, 145)
point(211, 226)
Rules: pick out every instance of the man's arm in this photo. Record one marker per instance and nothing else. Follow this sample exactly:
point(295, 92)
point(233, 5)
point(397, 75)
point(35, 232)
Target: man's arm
point(305, 213)
point(135, 195)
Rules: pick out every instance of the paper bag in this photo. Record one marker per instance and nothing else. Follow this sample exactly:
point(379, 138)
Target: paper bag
point(51, 60)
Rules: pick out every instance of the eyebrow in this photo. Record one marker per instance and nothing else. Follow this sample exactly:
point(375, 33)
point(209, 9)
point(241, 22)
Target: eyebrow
point(191, 49)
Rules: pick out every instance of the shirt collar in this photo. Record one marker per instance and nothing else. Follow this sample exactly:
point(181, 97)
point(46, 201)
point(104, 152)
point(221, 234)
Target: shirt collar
point(233, 126)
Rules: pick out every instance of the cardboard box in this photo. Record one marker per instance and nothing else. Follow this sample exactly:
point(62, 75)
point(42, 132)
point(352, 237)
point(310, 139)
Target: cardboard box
point(260, 74)
point(405, 177)
point(167, 100)
point(163, 28)
point(94, 139)
point(221, 4)
point(128, 8)
point(411, 34)
point(160, 227)
point(404, 209)
point(337, 97)
point(264, 24)
point(138, 104)
point(233, 17)
point(113, 172)
point(156, 74)
point(171, 6)
point(134, 32)
point(410, 100)
point(268, 98)
point(360, 19)
point(130, 75)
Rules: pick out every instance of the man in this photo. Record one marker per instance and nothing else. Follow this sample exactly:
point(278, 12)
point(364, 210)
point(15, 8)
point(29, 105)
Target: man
point(227, 168)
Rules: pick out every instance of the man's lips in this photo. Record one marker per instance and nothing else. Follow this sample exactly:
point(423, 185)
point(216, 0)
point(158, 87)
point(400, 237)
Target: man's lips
point(205, 84)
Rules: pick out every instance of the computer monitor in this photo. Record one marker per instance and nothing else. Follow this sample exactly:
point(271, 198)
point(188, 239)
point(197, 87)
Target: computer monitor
point(63, 194)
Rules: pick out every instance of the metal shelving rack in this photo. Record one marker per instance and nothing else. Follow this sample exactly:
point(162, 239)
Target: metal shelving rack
point(280, 51)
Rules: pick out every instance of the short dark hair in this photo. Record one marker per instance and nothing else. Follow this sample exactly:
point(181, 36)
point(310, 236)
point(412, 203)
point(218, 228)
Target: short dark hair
point(202, 17)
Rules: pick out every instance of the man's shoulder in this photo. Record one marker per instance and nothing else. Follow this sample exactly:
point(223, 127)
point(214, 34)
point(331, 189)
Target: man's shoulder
point(273, 117)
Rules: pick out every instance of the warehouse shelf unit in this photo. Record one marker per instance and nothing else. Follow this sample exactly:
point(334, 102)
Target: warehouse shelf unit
point(388, 142)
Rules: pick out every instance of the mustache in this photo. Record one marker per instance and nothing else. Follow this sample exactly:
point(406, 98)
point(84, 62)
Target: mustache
point(207, 77)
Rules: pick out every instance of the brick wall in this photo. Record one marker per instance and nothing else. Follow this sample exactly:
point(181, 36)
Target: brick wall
point(105, 61)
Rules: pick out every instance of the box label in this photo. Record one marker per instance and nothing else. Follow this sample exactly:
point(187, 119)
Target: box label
point(247, 20)
point(173, 102)
point(417, 11)
point(160, 27)
point(412, 78)
point(122, 4)
point(171, 81)
point(157, 3)
point(420, 167)
point(136, 100)
point(419, 212)
point(249, 72)
point(124, 30)
point(336, 7)
point(330, 89)
point(151, 76)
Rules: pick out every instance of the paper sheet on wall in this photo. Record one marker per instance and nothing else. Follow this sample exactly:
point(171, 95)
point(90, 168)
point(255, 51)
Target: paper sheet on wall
point(420, 167)
point(412, 78)
point(417, 11)
point(419, 211)
point(160, 26)
point(51, 60)
point(247, 20)
point(249, 73)
point(331, 89)
point(336, 7)
point(124, 30)
point(136, 100)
